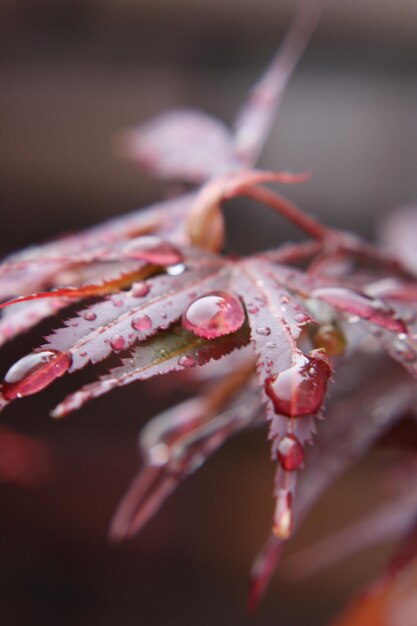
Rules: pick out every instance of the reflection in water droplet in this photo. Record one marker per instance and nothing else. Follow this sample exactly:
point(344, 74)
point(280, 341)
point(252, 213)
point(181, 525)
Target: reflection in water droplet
point(300, 389)
point(215, 314)
point(141, 321)
point(290, 453)
point(152, 250)
point(34, 372)
point(117, 342)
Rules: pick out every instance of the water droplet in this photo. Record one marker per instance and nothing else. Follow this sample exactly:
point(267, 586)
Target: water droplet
point(283, 514)
point(215, 314)
point(301, 318)
point(330, 338)
point(264, 331)
point(152, 250)
point(117, 302)
point(140, 290)
point(186, 361)
point(270, 345)
point(284, 299)
point(90, 316)
point(290, 453)
point(403, 350)
point(300, 389)
point(158, 455)
point(117, 342)
point(141, 321)
point(253, 309)
point(176, 270)
point(34, 372)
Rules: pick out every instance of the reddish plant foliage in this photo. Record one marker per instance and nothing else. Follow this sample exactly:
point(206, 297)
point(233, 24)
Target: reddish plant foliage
point(280, 324)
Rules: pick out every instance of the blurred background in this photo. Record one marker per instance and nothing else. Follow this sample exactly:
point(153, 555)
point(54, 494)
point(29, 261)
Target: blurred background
point(72, 73)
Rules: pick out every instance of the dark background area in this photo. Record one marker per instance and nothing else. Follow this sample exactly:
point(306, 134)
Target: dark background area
point(72, 73)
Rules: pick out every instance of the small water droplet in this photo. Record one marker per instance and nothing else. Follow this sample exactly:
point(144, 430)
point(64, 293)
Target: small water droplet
point(186, 361)
point(290, 453)
point(264, 331)
point(34, 372)
point(283, 514)
point(152, 250)
point(404, 351)
point(284, 299)
point(253, 309)
point(270, 345)
point(175, 270)
point(300, 389)
point(140, 290)
point(117, 342)
point(158, 455)
point(117, 302)
point(301, 318)
point(90, 316)
point(141, 321)
point(215, 314)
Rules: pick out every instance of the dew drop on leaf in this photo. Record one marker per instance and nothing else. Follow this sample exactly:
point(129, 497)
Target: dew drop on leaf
point(90, 316)
point(34, 372)
point(290, 453)
point(141, 321)
point(301, 318)
point(140, 290)
point(176, 270)
point(215, 314)
point(186, 361)
point(300, 389)
point(263, 330)
point(152, 250)
point(283, 515)
point(117, 342)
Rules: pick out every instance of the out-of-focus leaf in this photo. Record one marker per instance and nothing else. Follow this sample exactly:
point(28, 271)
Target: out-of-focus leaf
point(166, 146)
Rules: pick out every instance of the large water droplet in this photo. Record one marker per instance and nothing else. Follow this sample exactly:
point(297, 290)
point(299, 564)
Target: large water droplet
point(141, 321)
point(34, 372)
point(215, 314)
point(300, 389)
point(153, 250)
point(290, 453)
point(330, 338)
point(117, 342)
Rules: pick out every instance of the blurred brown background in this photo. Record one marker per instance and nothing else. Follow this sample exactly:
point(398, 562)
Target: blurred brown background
point(72, 72)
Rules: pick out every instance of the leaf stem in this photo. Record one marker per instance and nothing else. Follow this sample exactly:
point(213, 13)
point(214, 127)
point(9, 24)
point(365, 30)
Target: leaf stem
point(290, 211)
